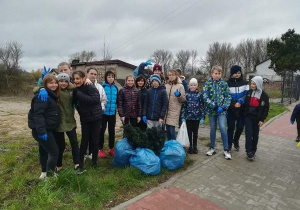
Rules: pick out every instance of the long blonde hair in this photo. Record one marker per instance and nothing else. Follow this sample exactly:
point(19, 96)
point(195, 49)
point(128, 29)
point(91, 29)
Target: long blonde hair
point(174, 72)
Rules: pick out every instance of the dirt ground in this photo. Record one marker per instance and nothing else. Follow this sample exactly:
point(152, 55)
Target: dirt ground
point(13, 118)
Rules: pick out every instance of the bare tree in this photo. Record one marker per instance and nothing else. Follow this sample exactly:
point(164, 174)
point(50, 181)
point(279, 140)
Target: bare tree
point(183, 57)
point(194, 60)
point(164, 58)
point(10, 55)
point(219, 54)
point(83, 56)
point(106, 55)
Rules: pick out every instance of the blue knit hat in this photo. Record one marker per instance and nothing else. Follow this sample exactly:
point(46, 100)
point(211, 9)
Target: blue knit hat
point(155, 77)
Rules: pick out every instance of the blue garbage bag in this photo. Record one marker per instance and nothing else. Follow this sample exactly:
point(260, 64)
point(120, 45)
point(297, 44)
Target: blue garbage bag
point(123, 152)
point(146, 161)
point(172, 155)
point(135, 72)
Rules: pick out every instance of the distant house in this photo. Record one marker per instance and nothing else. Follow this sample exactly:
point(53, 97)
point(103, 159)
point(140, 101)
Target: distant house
point(262, 69)
point(120, 68)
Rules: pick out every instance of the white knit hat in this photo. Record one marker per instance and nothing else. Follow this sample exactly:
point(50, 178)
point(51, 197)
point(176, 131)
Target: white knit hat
point(193, 81)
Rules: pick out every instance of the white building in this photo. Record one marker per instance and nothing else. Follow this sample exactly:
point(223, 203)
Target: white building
point(262, 69)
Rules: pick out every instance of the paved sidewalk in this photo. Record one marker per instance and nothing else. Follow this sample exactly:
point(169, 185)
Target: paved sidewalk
point(272, 181)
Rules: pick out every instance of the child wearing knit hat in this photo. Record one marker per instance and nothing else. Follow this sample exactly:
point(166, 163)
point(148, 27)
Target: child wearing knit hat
point(155, 104)
point(235, 116)
point(193, 114)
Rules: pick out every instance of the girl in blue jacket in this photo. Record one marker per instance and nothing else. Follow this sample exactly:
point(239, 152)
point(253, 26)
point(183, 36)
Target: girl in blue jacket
point(109, 116)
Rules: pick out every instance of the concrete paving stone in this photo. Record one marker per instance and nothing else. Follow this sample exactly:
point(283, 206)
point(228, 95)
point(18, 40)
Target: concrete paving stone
point(278, 186)
point(273, 204)
point(256, 204)
point(269, 208)
point(279, 201)
point(251, 196)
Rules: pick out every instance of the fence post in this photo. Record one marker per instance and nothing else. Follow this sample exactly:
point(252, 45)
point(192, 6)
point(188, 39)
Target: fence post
point(282, 87)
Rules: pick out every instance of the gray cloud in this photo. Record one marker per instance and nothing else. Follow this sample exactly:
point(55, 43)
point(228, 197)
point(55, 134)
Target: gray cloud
point(50, 31)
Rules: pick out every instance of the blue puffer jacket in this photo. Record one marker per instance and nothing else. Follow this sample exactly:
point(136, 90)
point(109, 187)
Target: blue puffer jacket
point(111, 92)
point(193, 107)
point(156, 103)
point(296, 113)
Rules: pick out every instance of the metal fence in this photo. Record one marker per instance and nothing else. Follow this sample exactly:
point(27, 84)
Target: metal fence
point(290, 87)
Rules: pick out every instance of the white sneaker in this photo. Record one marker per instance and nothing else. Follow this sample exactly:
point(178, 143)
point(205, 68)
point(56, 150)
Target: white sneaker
point(88, 156)
point(227, 155)
point(43, 175)
point(210, 152)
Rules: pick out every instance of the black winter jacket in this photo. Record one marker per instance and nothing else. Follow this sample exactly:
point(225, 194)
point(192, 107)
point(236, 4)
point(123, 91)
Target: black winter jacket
point(87, 102)
point(156, 103)
point(44, 116)
point(262, 109)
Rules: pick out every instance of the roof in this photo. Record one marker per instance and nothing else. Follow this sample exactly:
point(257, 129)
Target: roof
point(108, 62)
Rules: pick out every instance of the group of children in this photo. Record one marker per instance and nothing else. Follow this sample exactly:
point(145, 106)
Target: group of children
point(165, 103)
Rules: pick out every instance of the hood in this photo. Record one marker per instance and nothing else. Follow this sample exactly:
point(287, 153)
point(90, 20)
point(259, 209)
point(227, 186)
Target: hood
point(259, 83)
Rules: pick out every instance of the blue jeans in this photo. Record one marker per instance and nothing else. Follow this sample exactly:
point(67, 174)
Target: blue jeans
point(213, 128)
point(171, 132)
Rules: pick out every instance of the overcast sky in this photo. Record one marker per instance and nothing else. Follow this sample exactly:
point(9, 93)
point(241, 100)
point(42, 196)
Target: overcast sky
point(51, 30)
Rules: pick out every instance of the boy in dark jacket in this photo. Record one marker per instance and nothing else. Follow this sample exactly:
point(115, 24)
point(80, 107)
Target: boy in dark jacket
point(155, 104)
point(256, 111)
point(296, 116)
point(235, 119)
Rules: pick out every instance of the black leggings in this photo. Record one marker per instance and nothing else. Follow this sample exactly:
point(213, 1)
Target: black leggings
point(61, 143)
point(48, 151)
point(90, 134)
point(298, 126)
point(192, 129)
point(111, 121)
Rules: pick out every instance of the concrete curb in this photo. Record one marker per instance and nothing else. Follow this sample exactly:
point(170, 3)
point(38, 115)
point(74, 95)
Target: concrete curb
point(168, 183)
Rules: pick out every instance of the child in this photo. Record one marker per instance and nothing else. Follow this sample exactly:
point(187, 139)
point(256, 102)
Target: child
point(256, 110)
point(64, 67)
point(92, 75)
point(109, 116)
point(87, 102)
point(296, 116)
point(176, 96)
point(158, 70)
point(129, 103)
point(193, 114)
point(235, 118)
point(43, 119)
point(155, 104)
point(68, 122)
point(184, 83)
point(217, 99)
point(140, 83)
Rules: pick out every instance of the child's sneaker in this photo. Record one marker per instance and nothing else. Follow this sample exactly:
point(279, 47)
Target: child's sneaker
point(111, 152)
point(43, 175)
point(297, 139)
point(250, 156)
point(210, 152)
point(190, 151)
point(227, 155)
point(195, 150)
point(102, 154)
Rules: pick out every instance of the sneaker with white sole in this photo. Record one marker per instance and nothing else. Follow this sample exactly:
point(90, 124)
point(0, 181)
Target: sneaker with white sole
point(227, 155)
point(210, 152)
point(43, 175)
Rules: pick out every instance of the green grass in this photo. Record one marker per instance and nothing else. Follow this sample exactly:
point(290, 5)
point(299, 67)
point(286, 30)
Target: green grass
point(275, 109)
point(274, 93)
point(100, 188)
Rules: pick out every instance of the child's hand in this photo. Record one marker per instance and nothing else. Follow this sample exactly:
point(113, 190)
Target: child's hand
point(220, 110)
point(45, 72)
point(260, 123)
point(88, 82)
point(43, 95)
point(182, 120)
point(138, 119)
point(145, 119)
point(201, 122)
point(44, 137)
point(160, 120)
point(292, 122)
point(122, 119)
point(177, 93)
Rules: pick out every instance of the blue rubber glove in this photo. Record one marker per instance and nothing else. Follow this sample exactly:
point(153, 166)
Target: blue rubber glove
point(220, 110)
point(148, 62)
point(43, 95)
point(144, 119)
point(44, 137)
point(292, 122)
point(177, 93)
point(201, 122)
point(45, 72)
point(183, 120)
point(241, 101)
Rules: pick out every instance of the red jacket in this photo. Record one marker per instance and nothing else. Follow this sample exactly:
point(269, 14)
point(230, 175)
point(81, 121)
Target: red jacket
point(129, 102)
